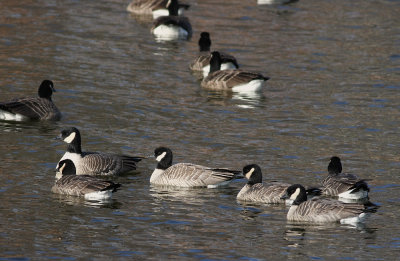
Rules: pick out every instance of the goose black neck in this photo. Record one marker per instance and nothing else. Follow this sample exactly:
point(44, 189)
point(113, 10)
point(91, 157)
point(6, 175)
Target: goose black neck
point(75, 145)
point(301, 197)
point(173, 8)
point(46, 89)
point(164, 164)
point(215, 62)
point(205, 42)
point(335, 166)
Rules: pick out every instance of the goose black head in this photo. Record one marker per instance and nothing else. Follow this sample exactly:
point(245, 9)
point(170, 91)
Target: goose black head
point(66, 167)
point(46, 89)
point(297, 193)
point(72, 136)
point(163, 156)
point(335, 165)
point(205, 42)
point(253, 173)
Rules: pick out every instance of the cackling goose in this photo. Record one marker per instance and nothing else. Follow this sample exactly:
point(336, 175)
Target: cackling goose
point(187, 174)
point(234, 80)
point(156, 8)
point(32, 108)
point(94, 163)
point(320, 210)
point(256, 191)
point(346, 186)
point(89, 187)
point(202, 62)
point(172, 27)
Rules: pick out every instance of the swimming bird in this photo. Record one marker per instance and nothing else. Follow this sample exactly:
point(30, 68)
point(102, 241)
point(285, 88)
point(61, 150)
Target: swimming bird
point(85, 186)
point(156, 8)
point(94, 163)
point(271, 193)
point(188, 174)
point(346, 186)
point(32, 108)
point(202, 62)
point(172, 27)
point(319, 210)
point(234, 80)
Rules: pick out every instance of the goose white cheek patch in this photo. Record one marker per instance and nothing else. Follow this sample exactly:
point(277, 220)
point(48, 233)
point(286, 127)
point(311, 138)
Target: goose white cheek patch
point(248, 174)
point(161, 156)
point(295, 194)
point(70, 138)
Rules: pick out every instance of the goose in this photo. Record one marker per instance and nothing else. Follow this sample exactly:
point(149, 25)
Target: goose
point(345, 186)
point(319, 210)
point(256, 191)
point(156, 8)
point(234, 80)
point(172, 27)
point(32, 108)
point(94, 163)
point(202, 62)
point(85, 186)
point(188, 175)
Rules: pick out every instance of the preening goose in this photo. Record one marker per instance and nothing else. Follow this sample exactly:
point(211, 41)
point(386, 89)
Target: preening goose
point(172, 27)
point(187, 174)
point(32, 108)
point(94, 163)
point(83, 185)
point(319, 210)
point(346, 186)
point(202, 62)
point(271, 193)
point(156, 8)
point(234, 80)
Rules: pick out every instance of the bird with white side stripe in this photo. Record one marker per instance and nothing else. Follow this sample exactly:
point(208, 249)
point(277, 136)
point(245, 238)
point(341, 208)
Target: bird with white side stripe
point(256, 191)
point(85, 186)
point(345, 186)
point(202, 62)
point(187, 174)
point(156, 8)
point(94, 163)
point(32, 108)
point(319, 210)
point(232, 80)
point(172, 27)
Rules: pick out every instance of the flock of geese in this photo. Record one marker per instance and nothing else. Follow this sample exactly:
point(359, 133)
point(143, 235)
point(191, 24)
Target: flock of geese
point(77, 170)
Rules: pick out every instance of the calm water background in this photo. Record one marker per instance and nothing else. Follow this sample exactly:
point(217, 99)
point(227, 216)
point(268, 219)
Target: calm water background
point(334, 90)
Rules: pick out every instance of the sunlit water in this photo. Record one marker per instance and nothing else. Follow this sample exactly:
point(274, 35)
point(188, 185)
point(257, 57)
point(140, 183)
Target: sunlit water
point(334, 90)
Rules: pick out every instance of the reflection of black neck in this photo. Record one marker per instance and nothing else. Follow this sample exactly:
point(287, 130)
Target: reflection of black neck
point(173, 8)
point(75, 145)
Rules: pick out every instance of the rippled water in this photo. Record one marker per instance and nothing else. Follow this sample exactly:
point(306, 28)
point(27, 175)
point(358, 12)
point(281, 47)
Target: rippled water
point(334, 90)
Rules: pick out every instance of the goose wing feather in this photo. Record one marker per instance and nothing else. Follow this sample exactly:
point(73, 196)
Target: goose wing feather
point(227, 79)
point(33, 108)
point(336, 184)
point(196, 175)
point(265, 193)
point(106, 164)
point(146, 6)
point(81, 185)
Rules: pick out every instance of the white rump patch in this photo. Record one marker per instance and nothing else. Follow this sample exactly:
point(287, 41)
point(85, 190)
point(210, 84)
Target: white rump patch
point(252, 86)
point(295, 194)
point(358, 195)
point(248, 174)
point(170, 32)
point(161, 156)
point(99, 195)
point(5, 115)
point(354, 220)
point(70, 138)
point(224, 66)
point(222, 184)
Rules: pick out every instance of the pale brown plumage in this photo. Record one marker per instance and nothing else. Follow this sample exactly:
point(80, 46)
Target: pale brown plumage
point(227, 79)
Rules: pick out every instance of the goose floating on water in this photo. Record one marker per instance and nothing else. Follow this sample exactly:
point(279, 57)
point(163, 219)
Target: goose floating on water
point(202, 62)
point(188, 174)
point(233, 80)
point(346, 186)
point(94, 163)
point(156, 8)
point(89, 187)
point(172, 27)
point(319, 210)
point(32, 108)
